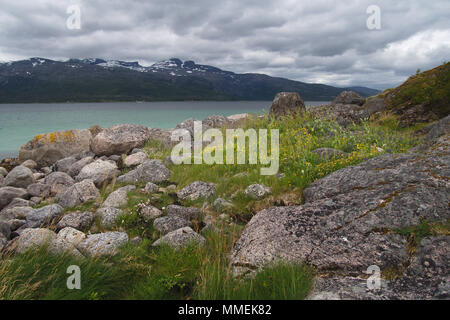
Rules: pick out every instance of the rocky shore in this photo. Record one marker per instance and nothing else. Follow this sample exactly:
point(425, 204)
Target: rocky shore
point(349, 221)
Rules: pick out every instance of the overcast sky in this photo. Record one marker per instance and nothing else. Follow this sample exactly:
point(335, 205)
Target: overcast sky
point(312, 41)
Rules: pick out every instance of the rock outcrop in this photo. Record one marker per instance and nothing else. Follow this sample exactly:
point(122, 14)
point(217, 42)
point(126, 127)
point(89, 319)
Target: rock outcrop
point(287, 103)
point(46, 149)
point(150, 171)
point(351, 217)
point(119, 139)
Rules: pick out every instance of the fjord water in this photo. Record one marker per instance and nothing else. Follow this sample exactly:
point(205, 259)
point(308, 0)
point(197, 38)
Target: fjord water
point(21, 122)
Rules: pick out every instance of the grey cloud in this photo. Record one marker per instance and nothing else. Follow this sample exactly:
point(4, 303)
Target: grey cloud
point(324, 41)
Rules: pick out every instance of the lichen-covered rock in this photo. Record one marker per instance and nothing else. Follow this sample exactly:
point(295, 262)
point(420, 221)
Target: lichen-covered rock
point(150, 187)
point(79, 193)
point(215, 122)
point(350, 218)
point(19, 177)
point(78, 220)
point(287, 103)
point(188, 213)
point(427, 277)
point(150, 171)
point(119, 139)
point(149, 213)
point(108, 216)
point(197, 190)
point(135, 159)
point(118, 198)
point(101, 244)
point(99, 171)
point(170, 223)
point(181, 238)
point(46, 149)
point(349, 97)
point(31, 239)
point(257, 191)
point(66, 241)
point(43, 216)
point(7, 194)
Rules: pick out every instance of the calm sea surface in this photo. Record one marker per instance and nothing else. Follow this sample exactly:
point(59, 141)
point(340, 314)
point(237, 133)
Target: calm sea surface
point(19, 123)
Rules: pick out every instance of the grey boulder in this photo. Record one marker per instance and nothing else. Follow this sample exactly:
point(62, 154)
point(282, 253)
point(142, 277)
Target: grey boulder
point(99, 171)
point(79, 193)
point(287, 103)
point(150, 171)
point(81, 221)
point(102, 244)
point(170, 223)
point(43, 216)
point(19, 177)
point(119, 139)
point(118, 198)
point(181, 238)
point(197, 190)
point(7, 194)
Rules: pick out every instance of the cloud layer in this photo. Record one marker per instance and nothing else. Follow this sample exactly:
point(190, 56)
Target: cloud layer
point(315, 41)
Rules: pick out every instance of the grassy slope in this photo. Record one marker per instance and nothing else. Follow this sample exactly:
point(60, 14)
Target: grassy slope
point(143, 272)
point(430, 88)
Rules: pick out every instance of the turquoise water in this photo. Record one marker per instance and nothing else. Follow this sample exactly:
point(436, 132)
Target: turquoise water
point(19, 123)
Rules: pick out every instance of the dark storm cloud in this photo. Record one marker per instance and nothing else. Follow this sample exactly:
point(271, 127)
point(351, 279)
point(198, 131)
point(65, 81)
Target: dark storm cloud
point(314, 41)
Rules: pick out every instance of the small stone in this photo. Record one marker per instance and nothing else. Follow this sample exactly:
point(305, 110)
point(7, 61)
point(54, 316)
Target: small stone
point(181, 238)
point(170, 223)
point(149, 213)
point(257, 191)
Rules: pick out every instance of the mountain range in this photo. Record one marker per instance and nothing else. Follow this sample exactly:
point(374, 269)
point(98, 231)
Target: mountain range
point(92, 80)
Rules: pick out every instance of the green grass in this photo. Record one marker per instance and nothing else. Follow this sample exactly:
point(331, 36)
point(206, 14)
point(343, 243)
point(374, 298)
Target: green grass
point(145, 272)
point(299, 136)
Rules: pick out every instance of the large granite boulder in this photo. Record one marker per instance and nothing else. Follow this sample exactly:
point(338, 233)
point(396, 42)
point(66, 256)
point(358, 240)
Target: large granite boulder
point(46, 149)
point(19, 177)
point(287, 103)
point(31, 239)
point(78, 194)
point(349, 97)
point(101, 244)
point(197, 190)
point(150, 171)
point(119, 139)
point(99, 171)
point(351, 217)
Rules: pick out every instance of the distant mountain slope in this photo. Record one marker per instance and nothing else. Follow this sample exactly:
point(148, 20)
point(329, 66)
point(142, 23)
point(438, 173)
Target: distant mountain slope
point(87, 80)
